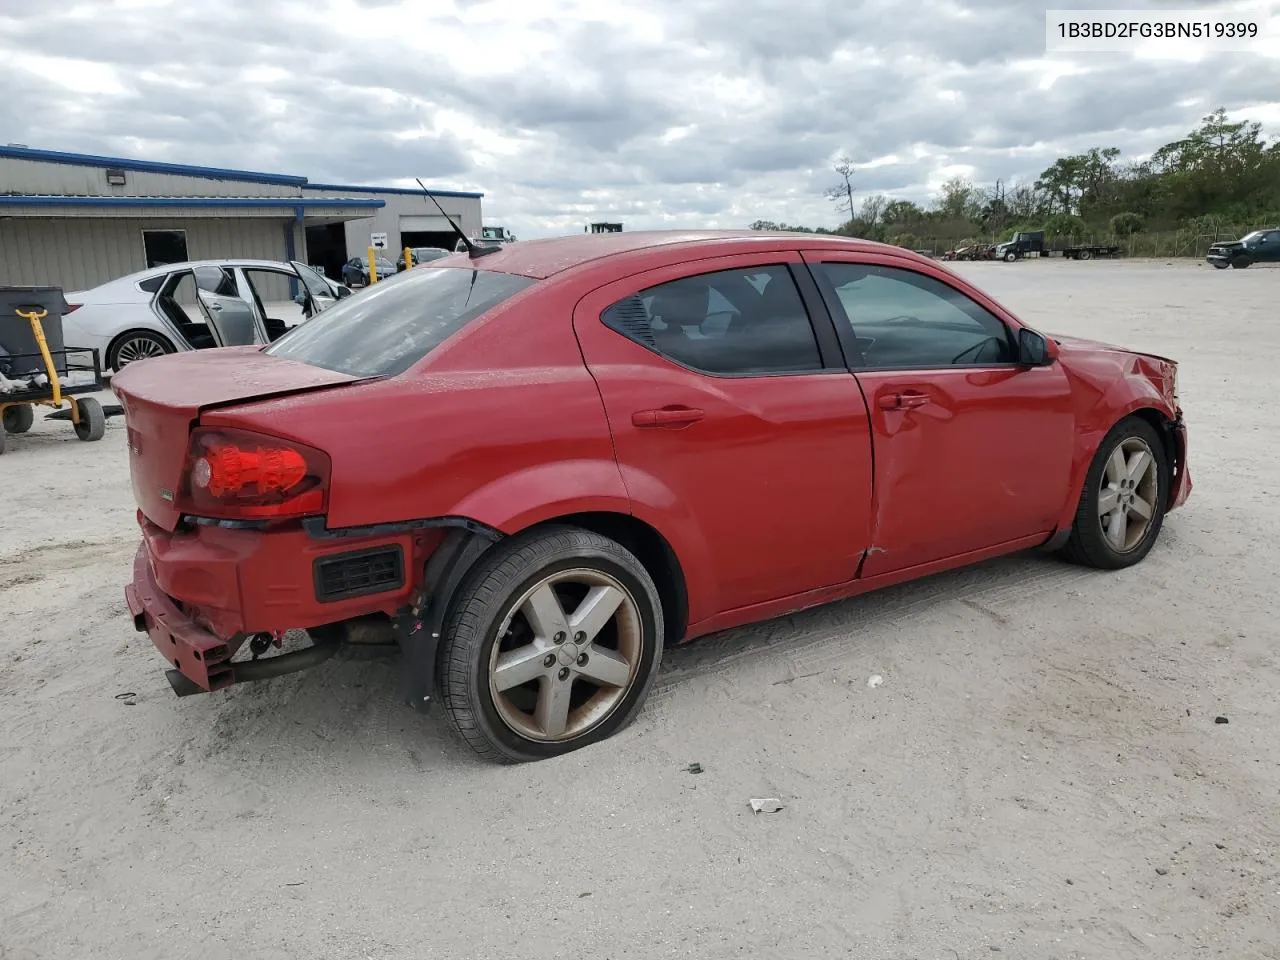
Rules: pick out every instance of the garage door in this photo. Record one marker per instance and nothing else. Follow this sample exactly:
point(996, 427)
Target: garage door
point(424, 225)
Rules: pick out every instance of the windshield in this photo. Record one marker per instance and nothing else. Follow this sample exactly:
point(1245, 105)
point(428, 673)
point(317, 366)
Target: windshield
point(387, 328)
point(1251, 236)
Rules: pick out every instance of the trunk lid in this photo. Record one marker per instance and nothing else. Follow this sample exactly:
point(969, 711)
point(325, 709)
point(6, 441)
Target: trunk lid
point(163, 399)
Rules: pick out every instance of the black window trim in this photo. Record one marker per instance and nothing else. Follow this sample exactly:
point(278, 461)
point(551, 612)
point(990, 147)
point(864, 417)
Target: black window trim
point(843, 326)
point(830, 354)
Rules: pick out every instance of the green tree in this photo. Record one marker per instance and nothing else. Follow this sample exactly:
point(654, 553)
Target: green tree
point(1126, 224)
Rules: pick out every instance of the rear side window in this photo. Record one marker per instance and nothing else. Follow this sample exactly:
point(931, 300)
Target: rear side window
point(387, 328)
point(746, 322)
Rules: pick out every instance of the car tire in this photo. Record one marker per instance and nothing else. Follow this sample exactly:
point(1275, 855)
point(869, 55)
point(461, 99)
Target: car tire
point(514, 718)
point(93, 419)
point(1240, 262)
point(1123, 486)
point(1010, 257)
point(19, 418)
point(136, 345)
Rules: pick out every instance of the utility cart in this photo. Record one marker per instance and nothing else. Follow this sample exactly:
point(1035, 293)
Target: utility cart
point(37, 369)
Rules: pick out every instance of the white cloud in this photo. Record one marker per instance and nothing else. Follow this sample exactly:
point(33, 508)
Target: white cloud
point(665, 113)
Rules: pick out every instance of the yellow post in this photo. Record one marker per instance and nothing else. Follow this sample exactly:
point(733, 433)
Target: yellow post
point(373, 267)
point(37, 331)
point(408, 258)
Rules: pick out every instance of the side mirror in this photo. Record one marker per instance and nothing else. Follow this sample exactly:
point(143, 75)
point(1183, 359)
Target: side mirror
point(343, 291)
point(1035, 350)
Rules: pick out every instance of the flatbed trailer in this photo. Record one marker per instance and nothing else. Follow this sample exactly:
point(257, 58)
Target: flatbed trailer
point(1087, 251)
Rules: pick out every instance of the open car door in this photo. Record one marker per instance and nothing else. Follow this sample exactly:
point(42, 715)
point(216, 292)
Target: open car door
point(319, 295)
point(231, 319)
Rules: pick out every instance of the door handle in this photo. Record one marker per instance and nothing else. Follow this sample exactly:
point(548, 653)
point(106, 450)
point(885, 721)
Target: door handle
point(902, 401)
point(216, 306)
point(674, 416)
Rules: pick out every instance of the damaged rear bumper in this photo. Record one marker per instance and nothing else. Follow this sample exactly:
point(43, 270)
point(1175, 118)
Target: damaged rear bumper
point(201, 659)
point(199, 655)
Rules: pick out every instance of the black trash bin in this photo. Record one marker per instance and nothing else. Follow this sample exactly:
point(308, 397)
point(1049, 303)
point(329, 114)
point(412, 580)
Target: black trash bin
point(16, 339)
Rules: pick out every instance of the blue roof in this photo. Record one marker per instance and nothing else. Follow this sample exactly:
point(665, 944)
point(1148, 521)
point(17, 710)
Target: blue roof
point(413, 191)
point(288, 203)
point(149, 166)
point(211, 173)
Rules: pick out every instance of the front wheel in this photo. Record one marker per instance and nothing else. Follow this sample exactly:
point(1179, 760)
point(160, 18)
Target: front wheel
point(1240, 262)
point(1010, 257)
point(551, 645)
point(1122, 506)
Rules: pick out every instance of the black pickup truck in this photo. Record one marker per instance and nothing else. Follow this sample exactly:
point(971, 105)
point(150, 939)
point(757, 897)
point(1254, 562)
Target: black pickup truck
point(1261, 246)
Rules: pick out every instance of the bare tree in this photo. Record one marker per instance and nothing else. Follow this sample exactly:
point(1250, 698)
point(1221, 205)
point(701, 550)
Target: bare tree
point(842, 193)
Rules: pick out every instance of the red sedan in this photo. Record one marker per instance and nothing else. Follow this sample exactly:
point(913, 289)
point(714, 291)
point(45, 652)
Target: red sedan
point(534, 467)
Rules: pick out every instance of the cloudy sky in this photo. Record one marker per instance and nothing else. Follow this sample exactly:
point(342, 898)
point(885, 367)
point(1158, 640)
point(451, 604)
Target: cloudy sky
point(658, 113)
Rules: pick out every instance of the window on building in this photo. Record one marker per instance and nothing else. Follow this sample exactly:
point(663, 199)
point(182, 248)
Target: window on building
point(164, 246)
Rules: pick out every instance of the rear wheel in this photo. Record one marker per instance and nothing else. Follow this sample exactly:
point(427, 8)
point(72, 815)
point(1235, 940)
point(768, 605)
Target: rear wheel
point(19, 418)
point(92, 424)
point(136, 345)
point(1122, 506)
point(1084, 255)
point(551, 645)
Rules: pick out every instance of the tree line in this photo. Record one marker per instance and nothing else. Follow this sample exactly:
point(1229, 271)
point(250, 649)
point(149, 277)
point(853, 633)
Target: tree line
point(1219, 180)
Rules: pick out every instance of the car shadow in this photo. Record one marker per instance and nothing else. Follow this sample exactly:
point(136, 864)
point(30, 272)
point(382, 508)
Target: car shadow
point(349, 707)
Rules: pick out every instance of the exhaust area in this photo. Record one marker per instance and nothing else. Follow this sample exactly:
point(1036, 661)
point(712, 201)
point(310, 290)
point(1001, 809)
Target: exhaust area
point(250, 670)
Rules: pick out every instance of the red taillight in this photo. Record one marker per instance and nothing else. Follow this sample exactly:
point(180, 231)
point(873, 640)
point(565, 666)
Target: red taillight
point(237, 473)
point(72, 308)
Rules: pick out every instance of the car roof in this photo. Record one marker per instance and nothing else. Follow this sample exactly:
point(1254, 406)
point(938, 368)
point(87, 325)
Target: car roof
point(146, 274)
point(546, 257)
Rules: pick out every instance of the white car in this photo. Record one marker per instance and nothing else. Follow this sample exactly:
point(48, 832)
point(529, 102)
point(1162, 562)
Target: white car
point(166, 309)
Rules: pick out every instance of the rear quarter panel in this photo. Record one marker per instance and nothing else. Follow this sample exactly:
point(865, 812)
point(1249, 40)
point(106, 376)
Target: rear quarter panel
point(502, 424)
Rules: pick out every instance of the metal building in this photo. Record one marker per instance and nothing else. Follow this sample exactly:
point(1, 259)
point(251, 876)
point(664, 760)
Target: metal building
point(75, 220)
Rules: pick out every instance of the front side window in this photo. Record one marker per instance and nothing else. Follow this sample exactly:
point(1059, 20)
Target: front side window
point(731, 322)
point(900, 318)
point(395, 323)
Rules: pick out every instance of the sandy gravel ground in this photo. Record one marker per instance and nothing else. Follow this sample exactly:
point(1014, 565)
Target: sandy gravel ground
point(1039, 775)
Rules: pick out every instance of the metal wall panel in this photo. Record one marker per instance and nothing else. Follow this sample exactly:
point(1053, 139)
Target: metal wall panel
point(79, 253)
point(59, 179)
point(465, 211)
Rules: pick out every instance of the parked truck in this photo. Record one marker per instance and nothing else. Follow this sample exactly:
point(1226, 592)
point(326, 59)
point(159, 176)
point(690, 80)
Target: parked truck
point(1030, 243)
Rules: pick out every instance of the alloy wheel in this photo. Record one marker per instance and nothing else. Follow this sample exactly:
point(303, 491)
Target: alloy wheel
point(1127, 498)
point(138, 348)
point(567, 654)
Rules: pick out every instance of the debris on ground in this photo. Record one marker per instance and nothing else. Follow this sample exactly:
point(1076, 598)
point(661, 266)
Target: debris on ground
point(875, 681)
point(694, 768)
point(1221, 720)
point(768, 805)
